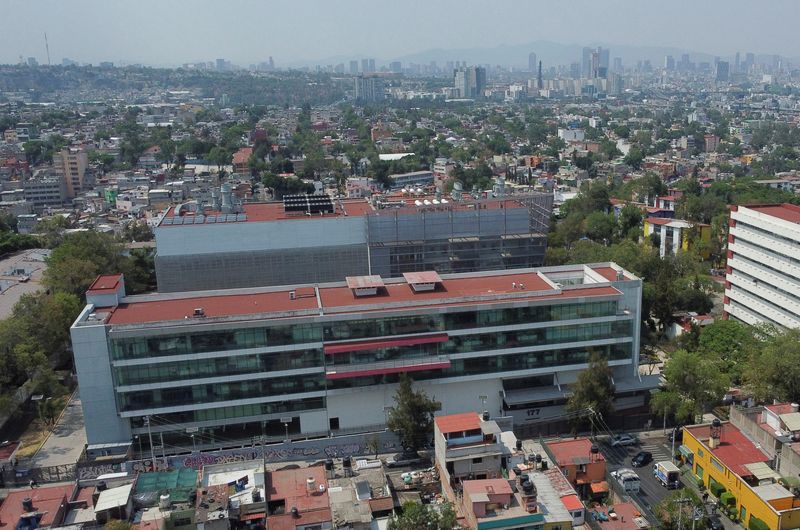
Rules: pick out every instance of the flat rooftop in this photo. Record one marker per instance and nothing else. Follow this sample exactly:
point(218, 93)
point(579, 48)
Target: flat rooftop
point(336, 298)
point(274, 211)
point(785, 211)
point(574, 452)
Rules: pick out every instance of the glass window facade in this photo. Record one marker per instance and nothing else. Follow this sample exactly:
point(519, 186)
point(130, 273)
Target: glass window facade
point(218, 367)
point(495, 364)
point(202, 397)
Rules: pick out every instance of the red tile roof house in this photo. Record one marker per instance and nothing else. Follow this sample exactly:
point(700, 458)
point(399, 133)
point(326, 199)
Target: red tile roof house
point(240, 159)
point(578, 463)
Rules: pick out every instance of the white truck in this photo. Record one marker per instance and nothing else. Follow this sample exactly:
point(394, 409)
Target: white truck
point(628, 479)
point(668, 474)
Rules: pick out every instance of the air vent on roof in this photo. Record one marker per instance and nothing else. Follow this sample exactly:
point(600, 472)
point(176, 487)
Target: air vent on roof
point(198, 312)
point(422, 281)
point(364, 285)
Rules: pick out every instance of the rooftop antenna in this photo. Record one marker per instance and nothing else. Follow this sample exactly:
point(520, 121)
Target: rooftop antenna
point(47, 47)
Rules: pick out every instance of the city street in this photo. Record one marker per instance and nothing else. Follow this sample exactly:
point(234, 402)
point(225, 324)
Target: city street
point(652, 492)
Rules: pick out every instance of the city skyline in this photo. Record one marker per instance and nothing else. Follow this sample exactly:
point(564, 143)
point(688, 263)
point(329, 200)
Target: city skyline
point(181, 32)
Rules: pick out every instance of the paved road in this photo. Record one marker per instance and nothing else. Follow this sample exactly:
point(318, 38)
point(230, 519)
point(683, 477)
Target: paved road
point(65, 444)
point(651, 492)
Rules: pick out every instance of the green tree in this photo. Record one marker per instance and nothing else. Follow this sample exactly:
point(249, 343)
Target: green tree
point(677, 509)
point(412, 416)
point(137, 231)
point(634, 158)
point(730, 341)
point(698, 381)
point(773, 371)
point(629, 222)
point(600, 227)
point(417, 516)
point(594, 389)
point(81, 257)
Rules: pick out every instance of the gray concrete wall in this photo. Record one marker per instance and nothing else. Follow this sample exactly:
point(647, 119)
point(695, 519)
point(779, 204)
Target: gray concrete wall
point(232, 270)
point(93, 365)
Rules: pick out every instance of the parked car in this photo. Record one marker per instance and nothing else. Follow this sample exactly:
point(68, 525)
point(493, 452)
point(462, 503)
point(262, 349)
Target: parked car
point(714, 523)
point(624, 440)
point(642, 458)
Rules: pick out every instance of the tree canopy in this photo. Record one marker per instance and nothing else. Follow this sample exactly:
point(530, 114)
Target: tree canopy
point(412, 416)
point(594, 389)
point(417, 516)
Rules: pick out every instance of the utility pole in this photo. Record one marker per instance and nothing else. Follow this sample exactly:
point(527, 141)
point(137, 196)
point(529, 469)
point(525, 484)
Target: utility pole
point(264, 466)
point(150, 435)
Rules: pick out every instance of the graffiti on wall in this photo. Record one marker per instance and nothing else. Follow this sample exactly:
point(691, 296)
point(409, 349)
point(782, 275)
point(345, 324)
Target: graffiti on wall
point(95, 470)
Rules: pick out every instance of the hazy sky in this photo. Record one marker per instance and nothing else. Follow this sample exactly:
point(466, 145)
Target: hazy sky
point(165, 32)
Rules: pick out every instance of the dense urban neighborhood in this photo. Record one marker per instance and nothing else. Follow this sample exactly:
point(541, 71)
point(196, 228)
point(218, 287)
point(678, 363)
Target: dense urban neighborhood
point(401, 295)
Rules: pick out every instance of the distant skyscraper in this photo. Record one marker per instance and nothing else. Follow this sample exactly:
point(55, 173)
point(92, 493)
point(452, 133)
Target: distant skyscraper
point(539, 79)
point(368, 89)
point(669, 63)
point(618, 64)
point(32, 61)
point(339, 68)
point(470, 81)
point(575, 70)
point(354, 67)
point(685, 64)
point(737, 63)
point(749, 61)
point(396, 67)
point(221, 65)
point(532, 63)
point(586, 62)
point(364, 66)
point(723, 71)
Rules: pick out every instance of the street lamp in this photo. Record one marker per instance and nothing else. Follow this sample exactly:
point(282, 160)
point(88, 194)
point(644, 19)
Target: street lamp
point(194, 449)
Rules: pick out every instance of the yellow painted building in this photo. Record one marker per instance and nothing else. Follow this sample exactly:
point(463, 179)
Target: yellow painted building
point(723, 455)
point(676, 234)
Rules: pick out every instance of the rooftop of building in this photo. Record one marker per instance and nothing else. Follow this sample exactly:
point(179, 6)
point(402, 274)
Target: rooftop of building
point(574, 452)
point(467, 421)
point(393, 202)
point(735, 450)
point(290, 485)
point(107, 282)
point(785, 211)
point(623, 516)
point(48, 502)
point(491, 287)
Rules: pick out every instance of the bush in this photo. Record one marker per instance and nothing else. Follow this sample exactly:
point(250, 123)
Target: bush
point(716, 488)
point(727, 499)
point(757, 524)
point(700, 483)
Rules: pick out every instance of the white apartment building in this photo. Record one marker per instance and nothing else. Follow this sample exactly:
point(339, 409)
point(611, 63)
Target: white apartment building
point(762, 280)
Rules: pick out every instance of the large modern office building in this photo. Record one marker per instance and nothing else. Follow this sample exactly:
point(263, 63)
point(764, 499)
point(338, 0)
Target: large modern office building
point(762, 280)
point(310, 239)
point(219, 367)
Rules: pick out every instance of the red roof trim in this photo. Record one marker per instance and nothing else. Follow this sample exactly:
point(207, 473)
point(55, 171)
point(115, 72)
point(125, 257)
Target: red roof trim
point(391, 370)
point(343, 347)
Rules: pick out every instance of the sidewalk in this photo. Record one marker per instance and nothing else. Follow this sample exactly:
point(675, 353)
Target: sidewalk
point(67, 440)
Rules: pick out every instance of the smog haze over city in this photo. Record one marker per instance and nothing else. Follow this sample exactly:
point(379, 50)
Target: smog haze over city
point(158, 33)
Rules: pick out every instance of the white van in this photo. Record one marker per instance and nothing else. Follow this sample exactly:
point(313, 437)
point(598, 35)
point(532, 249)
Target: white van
point(628, 479)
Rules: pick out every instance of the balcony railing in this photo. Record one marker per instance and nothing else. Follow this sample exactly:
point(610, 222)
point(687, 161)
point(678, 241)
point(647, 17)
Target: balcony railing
point(388, 367)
